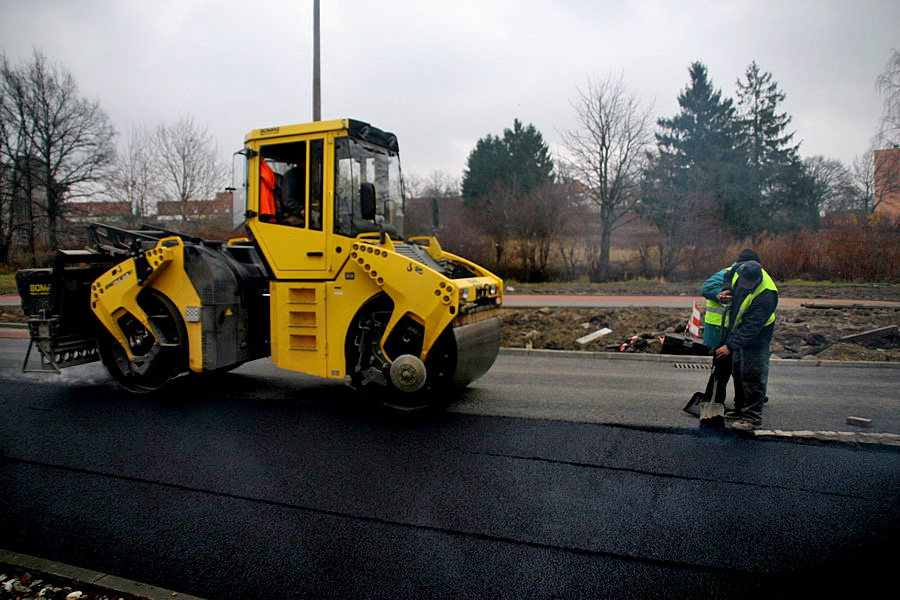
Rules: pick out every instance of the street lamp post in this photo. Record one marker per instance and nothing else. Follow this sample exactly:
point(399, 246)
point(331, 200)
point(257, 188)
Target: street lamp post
point(317, 83)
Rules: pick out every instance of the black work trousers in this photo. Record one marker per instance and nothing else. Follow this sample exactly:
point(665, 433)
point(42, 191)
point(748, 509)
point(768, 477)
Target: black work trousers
point(750, 368)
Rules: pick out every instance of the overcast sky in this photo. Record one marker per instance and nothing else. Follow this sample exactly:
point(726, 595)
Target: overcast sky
point(441, 74)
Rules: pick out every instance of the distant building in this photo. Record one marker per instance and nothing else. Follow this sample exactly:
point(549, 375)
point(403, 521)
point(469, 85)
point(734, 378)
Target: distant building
point(887, 181)
point(110, 212)
point(196, 210)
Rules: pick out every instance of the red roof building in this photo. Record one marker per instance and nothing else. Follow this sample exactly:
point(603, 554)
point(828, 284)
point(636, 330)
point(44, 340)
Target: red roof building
point(194, 210)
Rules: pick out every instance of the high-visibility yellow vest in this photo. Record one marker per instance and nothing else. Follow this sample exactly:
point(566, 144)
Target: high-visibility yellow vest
point(715, 312)
point(766, 284)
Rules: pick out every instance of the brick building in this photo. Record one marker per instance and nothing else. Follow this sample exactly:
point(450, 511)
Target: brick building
point(110, 212)
point(196, 210)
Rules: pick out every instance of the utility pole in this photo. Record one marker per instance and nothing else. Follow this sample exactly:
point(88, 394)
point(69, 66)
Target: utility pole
point(317, 80)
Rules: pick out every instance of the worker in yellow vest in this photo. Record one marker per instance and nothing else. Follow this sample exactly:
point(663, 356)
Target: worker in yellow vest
point(749, 325)
point(715, 311)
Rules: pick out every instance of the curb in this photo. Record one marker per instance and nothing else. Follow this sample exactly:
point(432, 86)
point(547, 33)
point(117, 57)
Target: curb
point(886, 442)
point(77, 575)
point(675, 358)
point(830, 437)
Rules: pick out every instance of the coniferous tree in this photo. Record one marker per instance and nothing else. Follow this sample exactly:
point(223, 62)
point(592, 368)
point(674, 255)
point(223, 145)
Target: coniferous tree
point(778, 186)
point(500, 174)
point(704, 131)
point(519, 162)
point(484, 170)
point(762, 131)
point(697, 171)
point(530, 163)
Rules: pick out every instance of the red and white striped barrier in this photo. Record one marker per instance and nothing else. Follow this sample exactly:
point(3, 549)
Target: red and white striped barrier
point(693, 326)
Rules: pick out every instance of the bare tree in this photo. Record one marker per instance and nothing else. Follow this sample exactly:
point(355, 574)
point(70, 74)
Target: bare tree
point(189, 168)
point(607, 152)
point(13, 140)
point(420, 193)
point(888, 84)
point(537, 223)
point(59, 144)
point(133, 180)
point(574, 238)
point(496, 216)
point(833, 185)
point(863, 174)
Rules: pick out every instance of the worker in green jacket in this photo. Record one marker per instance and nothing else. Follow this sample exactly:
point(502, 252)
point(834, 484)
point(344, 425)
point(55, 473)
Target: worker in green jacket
point(715, 311)
point(749, 325)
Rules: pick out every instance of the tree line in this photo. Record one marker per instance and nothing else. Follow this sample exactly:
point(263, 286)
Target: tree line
point(721, 170)
point(58, 147)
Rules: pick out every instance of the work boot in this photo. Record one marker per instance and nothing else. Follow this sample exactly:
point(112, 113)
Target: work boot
point(733, 414)
point(744, 425)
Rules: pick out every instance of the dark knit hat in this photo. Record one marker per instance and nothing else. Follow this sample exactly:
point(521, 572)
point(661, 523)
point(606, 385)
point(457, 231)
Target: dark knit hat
point(748, 254)
point(749, 275)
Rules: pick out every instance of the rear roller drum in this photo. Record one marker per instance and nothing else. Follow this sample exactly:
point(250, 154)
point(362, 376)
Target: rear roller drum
point(156, 360)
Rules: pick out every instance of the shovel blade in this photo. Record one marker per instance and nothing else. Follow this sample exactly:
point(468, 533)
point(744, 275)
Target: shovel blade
point(693, 405)
point(712, 415)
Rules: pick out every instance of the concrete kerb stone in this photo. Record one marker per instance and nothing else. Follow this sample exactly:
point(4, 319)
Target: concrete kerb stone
point(855, 438)
point(675, 358)
point(77, 575)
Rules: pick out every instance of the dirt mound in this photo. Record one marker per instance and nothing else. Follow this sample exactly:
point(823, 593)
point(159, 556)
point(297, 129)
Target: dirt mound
point(843, 351)
point(558, 328)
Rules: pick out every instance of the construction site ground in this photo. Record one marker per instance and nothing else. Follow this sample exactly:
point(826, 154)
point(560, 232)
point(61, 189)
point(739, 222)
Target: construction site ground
point(805, 333)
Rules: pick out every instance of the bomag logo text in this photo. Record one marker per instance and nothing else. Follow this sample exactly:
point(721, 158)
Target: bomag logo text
point(38, 289)
point(118, 280)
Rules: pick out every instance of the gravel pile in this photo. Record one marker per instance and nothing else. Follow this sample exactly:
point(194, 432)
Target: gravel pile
point(16, 584)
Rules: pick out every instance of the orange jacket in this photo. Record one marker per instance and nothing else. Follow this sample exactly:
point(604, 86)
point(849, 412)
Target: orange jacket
point(266, 189)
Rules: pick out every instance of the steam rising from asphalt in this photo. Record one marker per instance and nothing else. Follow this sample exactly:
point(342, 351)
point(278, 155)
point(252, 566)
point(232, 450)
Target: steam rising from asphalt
point(90, 374)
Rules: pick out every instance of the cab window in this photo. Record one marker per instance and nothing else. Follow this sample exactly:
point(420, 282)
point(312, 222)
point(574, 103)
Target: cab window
point(282, 184)
point(316, 182)
point(355, 163)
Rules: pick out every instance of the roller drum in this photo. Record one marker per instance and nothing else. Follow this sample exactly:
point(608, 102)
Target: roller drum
point(477, 346)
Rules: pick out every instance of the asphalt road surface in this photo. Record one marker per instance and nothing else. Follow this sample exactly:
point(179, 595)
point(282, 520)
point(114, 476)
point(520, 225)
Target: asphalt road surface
point(267, 484)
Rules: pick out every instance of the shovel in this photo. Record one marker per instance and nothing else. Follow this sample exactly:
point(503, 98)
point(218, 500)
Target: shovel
point(712, 413)
point(703, 404)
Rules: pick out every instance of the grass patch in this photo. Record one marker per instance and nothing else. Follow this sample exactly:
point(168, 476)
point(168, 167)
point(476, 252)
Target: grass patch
point(8, 284)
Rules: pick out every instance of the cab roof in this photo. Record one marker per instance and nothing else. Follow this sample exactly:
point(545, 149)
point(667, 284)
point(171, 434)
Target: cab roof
point(353, 127)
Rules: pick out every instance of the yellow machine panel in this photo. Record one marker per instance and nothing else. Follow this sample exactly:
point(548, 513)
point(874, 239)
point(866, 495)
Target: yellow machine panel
point(298, 332)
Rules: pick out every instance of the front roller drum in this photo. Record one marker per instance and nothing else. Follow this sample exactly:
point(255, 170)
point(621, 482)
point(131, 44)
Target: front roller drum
point(401, 380)
point(477, 346)
point(460, 356)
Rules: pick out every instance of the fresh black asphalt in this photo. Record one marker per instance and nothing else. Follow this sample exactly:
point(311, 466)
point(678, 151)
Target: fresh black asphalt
point(233, 486)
